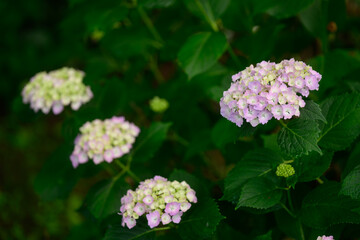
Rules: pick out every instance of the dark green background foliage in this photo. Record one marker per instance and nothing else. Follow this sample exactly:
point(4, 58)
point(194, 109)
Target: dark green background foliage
point(184, 51)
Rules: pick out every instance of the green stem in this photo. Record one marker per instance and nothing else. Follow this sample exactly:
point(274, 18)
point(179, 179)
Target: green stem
point(127, 169)
point(289, 161)
point(155, 70)
point(208, 19)
point(282, 123)
point(287, 210)
point(290, 202)
point(301, 231)
point(320, 181)
point(233, 55)
point(149, 24)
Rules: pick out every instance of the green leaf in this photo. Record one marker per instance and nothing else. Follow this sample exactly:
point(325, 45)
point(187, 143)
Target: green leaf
point(224, 132)
point(104, 198)
point(201, 51)
point(254, 164)
point(353, 161)
point(149, 141)
point(299, 137)
point(270, 142)
point(57, 177)
point(314, 19)
point(312, 111)
point(351, 184)
point(140, 232)
point(201, 221)
point(312, 166)
point(266, 236)
point(260, 193)
point(324, 207)
point(343, 116)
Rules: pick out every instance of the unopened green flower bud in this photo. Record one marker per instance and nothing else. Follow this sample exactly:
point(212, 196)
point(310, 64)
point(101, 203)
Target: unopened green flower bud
point(159, 105)
point(285, 170)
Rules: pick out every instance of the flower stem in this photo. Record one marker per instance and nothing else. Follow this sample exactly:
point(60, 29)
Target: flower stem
point(149, 24)
point(155, 70)
point(289, 200)
point(287, 210)
point(126, 168)
point(211, 22)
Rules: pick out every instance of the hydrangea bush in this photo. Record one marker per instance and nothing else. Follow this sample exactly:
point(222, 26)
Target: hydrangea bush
point(269, 153)
point(56, 89)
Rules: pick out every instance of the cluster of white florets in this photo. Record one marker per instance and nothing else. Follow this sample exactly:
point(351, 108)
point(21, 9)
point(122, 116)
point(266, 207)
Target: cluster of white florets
point(161, 200)
point(56, 89)
point(268, 90)
point(104, 140)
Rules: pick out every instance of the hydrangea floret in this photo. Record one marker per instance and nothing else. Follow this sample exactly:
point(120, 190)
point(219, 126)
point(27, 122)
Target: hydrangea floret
point(56, 89)
point(159, 105)
point(285, 170)
point(268, 90)
point(162, 201)
point(104, 140)
point(325, 238)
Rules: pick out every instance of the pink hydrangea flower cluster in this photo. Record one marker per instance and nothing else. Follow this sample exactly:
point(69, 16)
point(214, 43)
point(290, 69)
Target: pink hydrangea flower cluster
point(56, 89)
point(161, 200)
point(268, 90)
point(325, 238)
point(104, 140)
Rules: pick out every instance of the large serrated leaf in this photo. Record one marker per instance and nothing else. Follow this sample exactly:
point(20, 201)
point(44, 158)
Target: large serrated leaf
point(353, 161)
point(312, 166)
point(254, 164)
point(201, 51)
point(149, 141)
point(351, 184)
point(343, 116)
point(324, 207)
point(104, 198)
point(260, 193)
point(299, 137)
point(201, 222)
point(312, 111)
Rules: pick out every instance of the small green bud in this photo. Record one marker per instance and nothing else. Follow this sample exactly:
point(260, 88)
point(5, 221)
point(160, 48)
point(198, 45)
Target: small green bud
point(285, 170)
point(159, 105)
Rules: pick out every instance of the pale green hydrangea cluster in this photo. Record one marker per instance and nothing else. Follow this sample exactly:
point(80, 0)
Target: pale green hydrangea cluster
point(159, 105)
point(161, 200)
point(104, 140)
point(56, 89)
point(285, 170)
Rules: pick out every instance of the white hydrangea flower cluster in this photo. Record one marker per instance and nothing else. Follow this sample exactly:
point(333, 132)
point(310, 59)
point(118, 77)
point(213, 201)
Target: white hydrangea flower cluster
point(268, 90)
point(161, 200)
point(56, 89)
point(104, 140)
